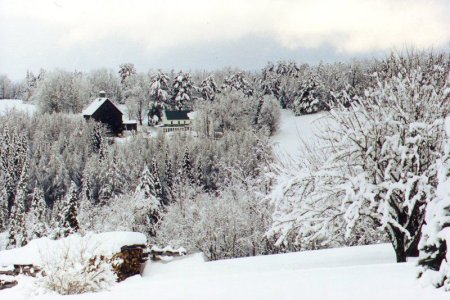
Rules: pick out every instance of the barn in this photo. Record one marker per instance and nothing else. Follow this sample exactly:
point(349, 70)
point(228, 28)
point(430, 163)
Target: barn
point(105, 111)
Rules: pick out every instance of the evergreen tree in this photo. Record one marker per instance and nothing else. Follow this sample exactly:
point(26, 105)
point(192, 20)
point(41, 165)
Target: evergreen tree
point(56, 222)
point(36, 217)
point(145, 185)
point(157, 187)
point(70, 212)
point(182, 86)
point(146, 194)
point(200, 178)
point(114, 181)
point(168, 180)
point(308, 97)
point(17, 231)
point(125, 71)
point(238, 82)
point(187, 167)
point(4, 215)
point(159, 88)
point(208, 89)
point(13, 154)
point(98, 141)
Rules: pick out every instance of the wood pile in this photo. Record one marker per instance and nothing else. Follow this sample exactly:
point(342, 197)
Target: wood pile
point(7, 274)
point(7, 282)
point(128, 261)
point(157, 253)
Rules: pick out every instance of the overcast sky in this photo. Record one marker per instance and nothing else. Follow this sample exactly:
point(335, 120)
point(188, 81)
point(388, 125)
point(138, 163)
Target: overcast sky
point(209, 34)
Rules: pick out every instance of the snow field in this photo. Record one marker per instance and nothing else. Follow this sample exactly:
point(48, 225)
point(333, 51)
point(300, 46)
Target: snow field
point(354, 273)
point(293, 129)
point(7, 105)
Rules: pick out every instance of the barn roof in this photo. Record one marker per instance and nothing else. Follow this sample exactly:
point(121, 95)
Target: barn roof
point(177, 114)
point(92, 108)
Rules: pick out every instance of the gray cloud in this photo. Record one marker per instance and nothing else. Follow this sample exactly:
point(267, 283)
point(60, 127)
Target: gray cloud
point(202, 34)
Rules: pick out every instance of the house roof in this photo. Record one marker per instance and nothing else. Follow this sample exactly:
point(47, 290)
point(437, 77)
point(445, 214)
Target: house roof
point(92, 108)
point(177, 114)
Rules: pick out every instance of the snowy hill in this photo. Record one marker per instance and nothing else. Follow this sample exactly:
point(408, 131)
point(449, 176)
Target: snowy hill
point(367, 272)
point(287, 140)
point(7, 105)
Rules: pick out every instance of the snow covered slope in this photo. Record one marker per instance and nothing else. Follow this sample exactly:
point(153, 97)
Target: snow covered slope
point(287, 140)
point(7, 105)
point(359, 273)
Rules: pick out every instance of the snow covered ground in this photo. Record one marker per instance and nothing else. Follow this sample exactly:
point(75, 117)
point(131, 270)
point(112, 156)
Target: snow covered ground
point(367, 272)
point(293, 129)
point(7, 105)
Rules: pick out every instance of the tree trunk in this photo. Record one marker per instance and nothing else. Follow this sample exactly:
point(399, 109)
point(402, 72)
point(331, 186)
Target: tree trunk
point(398, 241)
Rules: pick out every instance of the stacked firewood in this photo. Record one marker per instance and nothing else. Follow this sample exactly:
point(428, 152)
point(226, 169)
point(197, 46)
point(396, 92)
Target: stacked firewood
point(8, 273)
point(128, 261)
point(165, 254)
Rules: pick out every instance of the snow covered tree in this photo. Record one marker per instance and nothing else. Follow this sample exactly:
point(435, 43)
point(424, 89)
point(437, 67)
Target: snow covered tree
point(28, 86)
point(434, 244)
point(112, 179)
point(168, 180)
point(182, 86)
point(4, 214)
point(125, 71)
point(159, 87)
point(146, 195)
point(187, 171)
point(62, 91)
point(69, 213)
point(105, 80)
point(238, 82)
point(17, 229)
point(380, 164)
point(157, 187)
point(98, 142)
point(14, 155)
point(56, 219)
point(135, 93)
point(208, 89)
point(36, 217)
point(307, 100)
point(5, 87)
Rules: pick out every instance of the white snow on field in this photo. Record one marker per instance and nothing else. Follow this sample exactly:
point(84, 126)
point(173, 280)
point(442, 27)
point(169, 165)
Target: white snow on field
point(8, 105)
point(367, 272)
point(287, 141)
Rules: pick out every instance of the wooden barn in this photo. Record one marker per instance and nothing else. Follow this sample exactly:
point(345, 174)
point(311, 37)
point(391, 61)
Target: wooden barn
point(105, 111)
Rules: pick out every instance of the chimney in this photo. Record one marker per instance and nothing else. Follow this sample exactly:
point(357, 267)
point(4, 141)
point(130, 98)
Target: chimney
point(102, 94)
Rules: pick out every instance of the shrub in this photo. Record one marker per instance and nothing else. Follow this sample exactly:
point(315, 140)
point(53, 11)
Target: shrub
point(74, 266)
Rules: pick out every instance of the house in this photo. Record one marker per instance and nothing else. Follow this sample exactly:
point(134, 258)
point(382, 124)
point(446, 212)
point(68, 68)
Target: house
point(176, 120)
point(105, 111)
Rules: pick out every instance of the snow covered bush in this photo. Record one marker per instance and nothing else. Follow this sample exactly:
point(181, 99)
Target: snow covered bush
point(230, 224)
point(378, 165)
point(74, 266)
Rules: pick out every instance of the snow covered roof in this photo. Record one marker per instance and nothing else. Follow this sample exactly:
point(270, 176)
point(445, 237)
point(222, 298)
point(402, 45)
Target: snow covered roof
point(92, 108)
point(177, 114)
point(129, 122)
